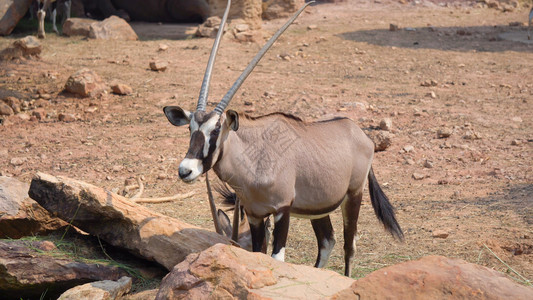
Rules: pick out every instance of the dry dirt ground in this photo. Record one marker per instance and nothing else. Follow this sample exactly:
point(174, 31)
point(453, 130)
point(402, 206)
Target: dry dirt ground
point(477, 184)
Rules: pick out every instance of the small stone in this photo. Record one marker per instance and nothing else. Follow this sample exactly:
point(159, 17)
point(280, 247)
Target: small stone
point(432, 95)
point(409, 161)
point(444, 132)
point(441, 234)
point(472, 135)
point(385, 124)
point(45, 96)
point(427, 83)
point(248, 103)
point(5, 110)
point(242, 27)
point(285, 56)
point(85, 83)
point(393, 27)
point(428, 164)
point(516, 119)
point(121, 89)
point(39, 114)
point(408, 148)
point(18, 161)
point(162, 47)
point(117, 168)
point(66, 117)
point(14, 103)
point(516, 142)
point(382, 139)
point(159, 66)
point(418, 176)
point(312, 27)
point(162, 176)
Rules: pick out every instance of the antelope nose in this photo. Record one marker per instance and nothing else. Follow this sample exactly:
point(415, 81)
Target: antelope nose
point(184, 172)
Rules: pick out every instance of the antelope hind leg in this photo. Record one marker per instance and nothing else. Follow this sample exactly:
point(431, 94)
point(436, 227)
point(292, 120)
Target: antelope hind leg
point(325, 239)
point(350, 214)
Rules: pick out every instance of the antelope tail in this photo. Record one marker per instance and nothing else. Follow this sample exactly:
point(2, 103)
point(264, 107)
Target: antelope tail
point(382, 207)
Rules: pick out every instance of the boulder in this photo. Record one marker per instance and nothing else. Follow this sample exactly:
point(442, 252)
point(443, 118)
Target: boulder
point(227, 272)
point(144, 295)
point(11, 11)
point(274, 9)
point(21, 216)
point(78, 26)
point(112, 28)
point(436, 277)
point(121, 222)
point(248, 10)
point(85, 83)
point(99, 290)
point(26, 47)
point(29, 269)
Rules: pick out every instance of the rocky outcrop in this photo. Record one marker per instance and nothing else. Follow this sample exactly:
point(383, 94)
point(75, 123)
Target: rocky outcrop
point(273, 9)
point(21, 216)
point(85, 83)
point(112, 28)
point(78, 26)
point(435, 277)
point(120, 222)
point(99, 290)
point(26, 47)
point(224, 271)
point(30, 268)
point(11, 11)
point(247, 10)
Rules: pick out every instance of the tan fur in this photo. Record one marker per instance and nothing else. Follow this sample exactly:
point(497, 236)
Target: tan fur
point(277, 161)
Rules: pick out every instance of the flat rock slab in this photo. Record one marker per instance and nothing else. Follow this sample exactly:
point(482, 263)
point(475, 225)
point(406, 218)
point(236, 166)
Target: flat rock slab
point(436, 277)
point(21, 216)
point(517, 36)
point(28, 269)
point(227, 272)
point(121, 222)
point(99, 290)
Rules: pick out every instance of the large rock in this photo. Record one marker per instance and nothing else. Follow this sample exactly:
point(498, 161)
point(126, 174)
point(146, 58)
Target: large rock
point(21, 216)
point(85, 83)
point(273, 9)
point(112, 28)
point(29, 269)
point(11, 11)
point(120, 222)
point(78, 26)
point(436, 277)
point(26, 47)
point(227, 272)
point(247, 10)
point(99, 290)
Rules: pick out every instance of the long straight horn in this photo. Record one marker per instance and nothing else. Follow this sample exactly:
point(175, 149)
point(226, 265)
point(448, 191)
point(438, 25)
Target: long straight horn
point(204, 90)
point(229, 95)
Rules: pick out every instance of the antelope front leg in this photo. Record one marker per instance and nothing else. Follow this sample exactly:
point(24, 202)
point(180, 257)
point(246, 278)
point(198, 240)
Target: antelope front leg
point(54, 17)
point(257, 228)
point(40, 16)
point(281, 230)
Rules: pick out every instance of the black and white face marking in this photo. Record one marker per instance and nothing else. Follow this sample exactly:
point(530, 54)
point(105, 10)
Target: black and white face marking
point(204, 145)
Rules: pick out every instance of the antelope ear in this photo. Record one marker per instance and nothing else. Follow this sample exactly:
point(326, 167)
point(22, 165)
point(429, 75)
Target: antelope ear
point(232, 119)
point(177, 116)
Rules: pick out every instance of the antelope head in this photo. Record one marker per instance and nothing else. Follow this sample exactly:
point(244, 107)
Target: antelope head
point(210, 129)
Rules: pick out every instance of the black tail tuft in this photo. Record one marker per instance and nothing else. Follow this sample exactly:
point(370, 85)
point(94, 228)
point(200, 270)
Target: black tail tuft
point(382, 207)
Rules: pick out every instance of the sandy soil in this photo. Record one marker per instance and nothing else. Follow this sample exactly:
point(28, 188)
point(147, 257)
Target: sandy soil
point(476, 186)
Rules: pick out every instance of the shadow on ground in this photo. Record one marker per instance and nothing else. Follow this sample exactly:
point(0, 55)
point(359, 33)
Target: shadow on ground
point(478, 38)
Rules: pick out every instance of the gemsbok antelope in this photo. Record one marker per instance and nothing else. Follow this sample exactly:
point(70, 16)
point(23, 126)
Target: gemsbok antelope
point(283, 166)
